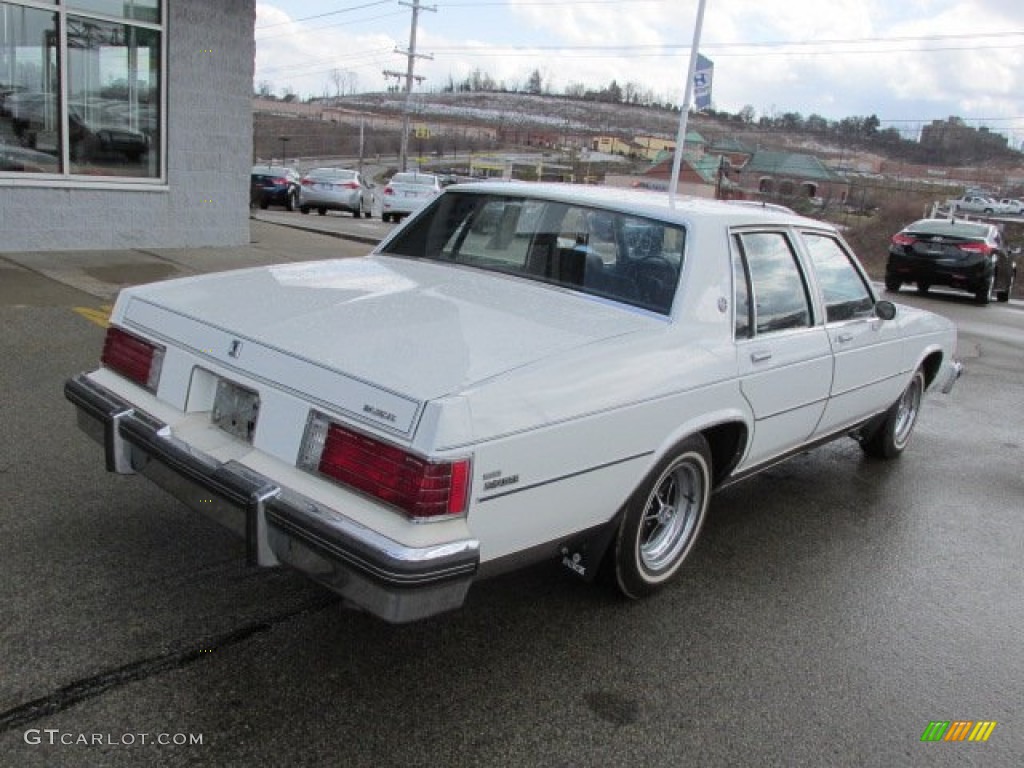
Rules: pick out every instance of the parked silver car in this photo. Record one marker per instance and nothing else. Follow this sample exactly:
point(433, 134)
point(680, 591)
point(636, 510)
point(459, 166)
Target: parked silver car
point(408, 192)
point(336, 189)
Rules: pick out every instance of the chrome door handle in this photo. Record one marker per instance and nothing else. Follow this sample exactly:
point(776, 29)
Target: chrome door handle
point(761, 356)
point(842, 338)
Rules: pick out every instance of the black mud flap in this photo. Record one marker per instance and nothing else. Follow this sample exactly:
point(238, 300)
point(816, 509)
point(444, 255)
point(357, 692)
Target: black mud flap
point(582, 554)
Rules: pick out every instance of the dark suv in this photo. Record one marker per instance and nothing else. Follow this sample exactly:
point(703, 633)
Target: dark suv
point(969, 255)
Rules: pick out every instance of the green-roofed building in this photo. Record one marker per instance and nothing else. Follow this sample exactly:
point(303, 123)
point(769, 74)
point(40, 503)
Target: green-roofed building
point(771, 174)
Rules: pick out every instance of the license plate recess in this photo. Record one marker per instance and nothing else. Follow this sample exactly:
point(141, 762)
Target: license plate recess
point(235, 409)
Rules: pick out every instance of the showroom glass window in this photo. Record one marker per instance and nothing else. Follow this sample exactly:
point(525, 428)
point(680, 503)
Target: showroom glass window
point(81, 89)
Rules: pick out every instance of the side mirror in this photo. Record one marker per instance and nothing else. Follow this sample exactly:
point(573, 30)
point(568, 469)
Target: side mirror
point(885, 310)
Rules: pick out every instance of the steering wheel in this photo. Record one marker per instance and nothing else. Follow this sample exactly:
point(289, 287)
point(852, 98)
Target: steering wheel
point(654, 276)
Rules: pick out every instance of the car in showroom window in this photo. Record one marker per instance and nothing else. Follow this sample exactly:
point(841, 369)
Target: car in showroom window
point(81, 96)
point(518, 373)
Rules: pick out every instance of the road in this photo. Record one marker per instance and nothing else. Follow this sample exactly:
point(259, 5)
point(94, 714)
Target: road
point(833, 608)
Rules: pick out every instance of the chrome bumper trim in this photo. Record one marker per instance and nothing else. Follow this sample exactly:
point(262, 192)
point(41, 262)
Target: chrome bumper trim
point(395, 582)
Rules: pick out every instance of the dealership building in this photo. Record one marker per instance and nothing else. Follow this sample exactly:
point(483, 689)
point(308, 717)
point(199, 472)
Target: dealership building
point(125, 123)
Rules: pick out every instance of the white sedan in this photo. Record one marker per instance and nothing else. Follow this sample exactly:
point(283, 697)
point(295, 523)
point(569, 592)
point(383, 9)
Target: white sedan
point(518, 373)
point(407, 192)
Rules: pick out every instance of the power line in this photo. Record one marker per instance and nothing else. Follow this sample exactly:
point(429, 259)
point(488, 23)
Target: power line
point(324, 15)
point(346, 23)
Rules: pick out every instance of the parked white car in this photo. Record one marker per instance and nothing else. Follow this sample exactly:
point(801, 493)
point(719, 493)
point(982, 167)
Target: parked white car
point(977, 204)
point(518, 373)
point(407, 192)
point(335, 189)
point(1011, 205)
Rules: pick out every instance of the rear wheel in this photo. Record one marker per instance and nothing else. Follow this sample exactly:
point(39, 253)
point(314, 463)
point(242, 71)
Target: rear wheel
point(663, 519)
point(983, 295)
point(1004, 296)
point(322, 211)
point(892, 436)
point(892, 284)
point(304, 209)
point(922, 287)
point(290, 202)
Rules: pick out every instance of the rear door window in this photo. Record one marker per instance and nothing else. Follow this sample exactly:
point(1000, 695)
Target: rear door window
point(777, 296)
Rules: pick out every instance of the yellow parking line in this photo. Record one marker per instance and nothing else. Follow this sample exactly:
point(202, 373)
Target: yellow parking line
point(99, 315)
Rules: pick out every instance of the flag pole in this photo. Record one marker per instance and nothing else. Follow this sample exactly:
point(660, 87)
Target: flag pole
point(677, 157)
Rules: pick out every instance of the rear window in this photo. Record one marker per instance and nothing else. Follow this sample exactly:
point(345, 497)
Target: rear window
point(947, 228)
point(414, 178)
point(334, 174)
point(607, 254)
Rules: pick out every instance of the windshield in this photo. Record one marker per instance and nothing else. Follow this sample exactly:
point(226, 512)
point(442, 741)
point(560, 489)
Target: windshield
point(627, 259)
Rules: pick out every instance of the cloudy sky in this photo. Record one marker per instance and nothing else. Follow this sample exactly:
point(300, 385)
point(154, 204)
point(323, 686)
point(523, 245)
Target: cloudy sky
point(906, 61)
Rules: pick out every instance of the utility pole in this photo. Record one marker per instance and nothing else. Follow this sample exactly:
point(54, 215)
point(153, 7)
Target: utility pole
point(409, 75)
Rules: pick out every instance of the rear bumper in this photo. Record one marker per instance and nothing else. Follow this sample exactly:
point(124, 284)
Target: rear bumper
point(395, 582)
point(969, 274)
point(330, 202)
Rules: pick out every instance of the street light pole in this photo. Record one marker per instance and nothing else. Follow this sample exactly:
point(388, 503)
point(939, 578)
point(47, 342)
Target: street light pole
point(284, 140)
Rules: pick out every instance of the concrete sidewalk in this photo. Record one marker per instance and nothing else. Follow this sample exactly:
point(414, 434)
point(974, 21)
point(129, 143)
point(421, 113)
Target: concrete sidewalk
point(103, 274)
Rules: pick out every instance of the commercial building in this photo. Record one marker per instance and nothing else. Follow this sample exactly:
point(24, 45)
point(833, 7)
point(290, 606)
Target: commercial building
point(125, 123)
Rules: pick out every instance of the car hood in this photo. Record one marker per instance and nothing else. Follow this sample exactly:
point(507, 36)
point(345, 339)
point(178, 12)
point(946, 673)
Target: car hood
point(413, 327)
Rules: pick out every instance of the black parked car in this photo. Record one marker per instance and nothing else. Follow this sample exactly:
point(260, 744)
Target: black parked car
point(969, 255)
point(274, 185)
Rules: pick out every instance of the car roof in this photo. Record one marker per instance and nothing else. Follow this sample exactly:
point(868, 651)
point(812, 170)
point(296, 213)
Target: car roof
point(272, 169)
point(649, 203)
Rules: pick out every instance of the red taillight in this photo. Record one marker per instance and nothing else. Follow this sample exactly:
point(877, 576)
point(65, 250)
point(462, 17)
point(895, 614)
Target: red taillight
point(132, 357)
point(279, 182)
point(388, 191)
point(983, 248)
point(424, 490)
point(351, 185)
point(306, 182)
point(900, 239)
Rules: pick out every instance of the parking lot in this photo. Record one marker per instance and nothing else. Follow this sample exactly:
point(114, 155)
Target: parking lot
point(834, 607)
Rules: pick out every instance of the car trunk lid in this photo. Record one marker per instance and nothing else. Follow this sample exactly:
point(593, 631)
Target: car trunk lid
point(374, 337)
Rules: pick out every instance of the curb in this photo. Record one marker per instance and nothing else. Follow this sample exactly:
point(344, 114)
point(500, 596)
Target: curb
point(316, 231)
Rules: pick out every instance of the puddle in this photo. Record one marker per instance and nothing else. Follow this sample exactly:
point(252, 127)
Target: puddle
point(132, 274)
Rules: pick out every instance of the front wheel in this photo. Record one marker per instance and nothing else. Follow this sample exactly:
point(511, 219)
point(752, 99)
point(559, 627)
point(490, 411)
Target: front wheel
point(892, 436)
point(663, 519)
point(892, 284)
